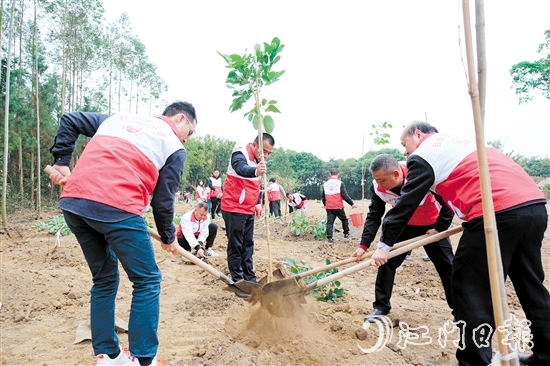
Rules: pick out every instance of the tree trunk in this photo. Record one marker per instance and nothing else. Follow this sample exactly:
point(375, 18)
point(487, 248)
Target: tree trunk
point(119, 89)
point(21, 122)
point(64, 62)
point(37, 101)
point(110, 84)
point(6, 124)
point(481, 55)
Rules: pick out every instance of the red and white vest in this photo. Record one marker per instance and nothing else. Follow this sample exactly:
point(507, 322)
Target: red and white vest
point(125, 149)
point(241, 193)
point(217, 184)
point(193, 230)
point(427, 212)
point(273, 192)
point(333, 198)
point(454, 162)
point(298, 201)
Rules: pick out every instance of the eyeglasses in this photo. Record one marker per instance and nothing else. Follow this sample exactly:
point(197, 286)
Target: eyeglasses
point(192, 131)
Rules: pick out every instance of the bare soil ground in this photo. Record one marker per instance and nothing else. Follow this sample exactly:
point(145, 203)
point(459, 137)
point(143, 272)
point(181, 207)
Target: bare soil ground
point(45, 296)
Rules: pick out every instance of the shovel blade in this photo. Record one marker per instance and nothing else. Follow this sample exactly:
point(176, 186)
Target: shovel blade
point(239, 293)
point(247, 286)
point(277, 274)
point(282, 298)
point(282, 287)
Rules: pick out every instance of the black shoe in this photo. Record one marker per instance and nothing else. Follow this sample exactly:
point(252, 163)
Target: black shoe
point(347, 236)
point(375, 316)
point(330, 240)
point(528, 360)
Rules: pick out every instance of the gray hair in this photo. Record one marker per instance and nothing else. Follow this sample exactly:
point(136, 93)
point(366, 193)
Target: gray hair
point(384, 162)
point(424, 127)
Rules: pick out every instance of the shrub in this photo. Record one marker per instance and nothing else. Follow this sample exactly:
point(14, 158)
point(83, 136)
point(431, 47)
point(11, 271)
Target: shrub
point(328, 292)
point(308, 225)
point(57, 223)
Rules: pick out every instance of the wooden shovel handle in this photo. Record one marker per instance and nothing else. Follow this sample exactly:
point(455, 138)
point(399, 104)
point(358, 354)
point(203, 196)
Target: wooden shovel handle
point(353, 259)
point(51, 170)
point(393, 253)
point(191, 258)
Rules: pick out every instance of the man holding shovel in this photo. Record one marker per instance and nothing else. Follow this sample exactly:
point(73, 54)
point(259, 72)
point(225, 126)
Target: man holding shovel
point(429, 217)
point(240, 203)
point(448, 165)
point(128, 159)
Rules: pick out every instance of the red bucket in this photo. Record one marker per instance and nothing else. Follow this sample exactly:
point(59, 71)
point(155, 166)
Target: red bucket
point(356, 218)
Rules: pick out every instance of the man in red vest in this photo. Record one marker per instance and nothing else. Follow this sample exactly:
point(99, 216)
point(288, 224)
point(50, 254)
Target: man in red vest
point(240, 203)
point(430, 217)
point(216, 191)
point(334, 195)
point(447, 165)
point(274, 193)
point(128, 159)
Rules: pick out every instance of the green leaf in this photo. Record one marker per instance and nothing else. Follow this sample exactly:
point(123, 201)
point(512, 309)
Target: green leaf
point(337, 283)
point(235, 57)
point(272, 108)
point(269, 124)
point(291, 261)
point(255, 122)
point(339, 292)
point(264, 102)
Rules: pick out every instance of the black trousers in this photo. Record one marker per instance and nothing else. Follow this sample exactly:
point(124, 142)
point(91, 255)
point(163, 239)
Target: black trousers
point(215, 206)
point(331, 216)
point(275, 208)
point(212, 232)
point(520, 233)
point(440, 253)
point(239, 229)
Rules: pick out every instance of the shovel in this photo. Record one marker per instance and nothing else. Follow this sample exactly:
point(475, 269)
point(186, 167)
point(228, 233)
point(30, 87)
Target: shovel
point(281, 297)
point(298, 276)
point(243, 289)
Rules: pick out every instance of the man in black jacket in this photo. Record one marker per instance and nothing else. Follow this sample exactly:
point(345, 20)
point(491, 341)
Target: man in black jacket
point(430, 217)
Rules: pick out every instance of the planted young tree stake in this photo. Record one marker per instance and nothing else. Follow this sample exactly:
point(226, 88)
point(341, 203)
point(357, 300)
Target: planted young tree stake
point(496, 273)
point(249, 75)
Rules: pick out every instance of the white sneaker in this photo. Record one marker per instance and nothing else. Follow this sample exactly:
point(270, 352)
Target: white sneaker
point(123, 359)
point(210, 253)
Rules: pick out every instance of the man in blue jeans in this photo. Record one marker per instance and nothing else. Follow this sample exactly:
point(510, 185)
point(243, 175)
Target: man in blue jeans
point(128, 159)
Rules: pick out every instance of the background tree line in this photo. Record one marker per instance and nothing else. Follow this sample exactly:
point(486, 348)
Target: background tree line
point(305, 172)
point(63, 55)
point(57, 56)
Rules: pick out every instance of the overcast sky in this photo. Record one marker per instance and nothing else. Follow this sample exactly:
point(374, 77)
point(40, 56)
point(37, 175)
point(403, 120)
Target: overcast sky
point(349, 65)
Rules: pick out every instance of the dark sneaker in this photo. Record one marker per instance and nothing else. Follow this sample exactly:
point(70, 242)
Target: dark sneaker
point(375, 316)
point(347, 236)
point(330, 240)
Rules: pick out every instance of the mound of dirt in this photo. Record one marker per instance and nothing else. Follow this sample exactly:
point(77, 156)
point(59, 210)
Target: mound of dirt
point(45, 296)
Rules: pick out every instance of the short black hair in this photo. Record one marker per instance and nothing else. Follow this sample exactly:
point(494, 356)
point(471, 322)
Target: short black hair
point(181, 107)
point(272, 180)
point(384, 162)
point(334, 171)
point(266, 137)
point(203, 205)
